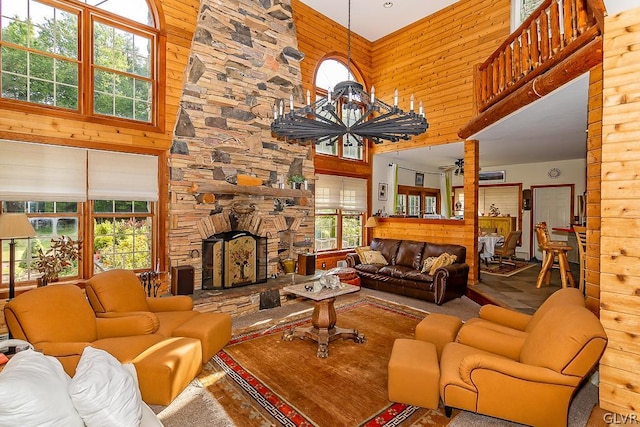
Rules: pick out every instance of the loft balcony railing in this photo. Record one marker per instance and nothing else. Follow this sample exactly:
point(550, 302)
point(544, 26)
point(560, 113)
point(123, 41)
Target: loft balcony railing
point(556, 30)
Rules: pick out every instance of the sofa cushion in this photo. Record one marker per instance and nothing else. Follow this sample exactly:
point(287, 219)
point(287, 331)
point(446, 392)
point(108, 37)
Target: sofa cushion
point(436, 249)
point(33, 391)
point(387, 247)
point(418, 276)
point(374, 257)
point(427, 263)
point(361, 250)
point(368, 268)
point(396, 271)
point(105, 392)
point(559, 348)
point(442, 261)
point(410, 254)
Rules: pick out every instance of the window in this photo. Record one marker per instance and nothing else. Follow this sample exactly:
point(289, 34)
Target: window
point(339, 216)
point(329, 74)
point(122, 235)
point(417, 201)
point(50, 220)
point(46, 61)
point(115, 193)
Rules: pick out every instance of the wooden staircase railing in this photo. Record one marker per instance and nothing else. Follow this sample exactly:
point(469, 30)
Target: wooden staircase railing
point(554, 31)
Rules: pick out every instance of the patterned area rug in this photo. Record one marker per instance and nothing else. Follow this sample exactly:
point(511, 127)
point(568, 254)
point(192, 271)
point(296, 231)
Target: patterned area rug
point(260, 379)
point(506, 269)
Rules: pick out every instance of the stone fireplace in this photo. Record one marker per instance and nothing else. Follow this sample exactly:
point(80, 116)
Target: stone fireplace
point(232, 259)
point(227, 173)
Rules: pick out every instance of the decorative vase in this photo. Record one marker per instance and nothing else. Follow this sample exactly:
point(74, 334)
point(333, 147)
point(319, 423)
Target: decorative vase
point(42, 281)
point(288, 265)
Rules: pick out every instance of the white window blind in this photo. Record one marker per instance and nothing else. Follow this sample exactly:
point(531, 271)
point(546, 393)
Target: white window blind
point(339, 192)
point(122, 176)
point(42, 172)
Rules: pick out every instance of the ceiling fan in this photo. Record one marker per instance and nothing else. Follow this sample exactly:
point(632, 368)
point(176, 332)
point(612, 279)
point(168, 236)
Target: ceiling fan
point(457, 167)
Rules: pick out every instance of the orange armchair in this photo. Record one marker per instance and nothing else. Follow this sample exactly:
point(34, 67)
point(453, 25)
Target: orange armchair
point(59, 321)
point(534, 386)
point(117, 293)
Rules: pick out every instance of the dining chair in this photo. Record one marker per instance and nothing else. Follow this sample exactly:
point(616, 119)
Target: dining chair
point(581, 237)
point(508, 248)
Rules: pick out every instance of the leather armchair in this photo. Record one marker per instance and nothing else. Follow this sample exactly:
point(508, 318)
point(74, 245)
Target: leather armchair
point(520, 367)
point(59, 321)
point(117, 293)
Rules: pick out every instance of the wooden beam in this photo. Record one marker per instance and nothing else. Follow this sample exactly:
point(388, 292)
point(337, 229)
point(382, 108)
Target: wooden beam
point(572, 67)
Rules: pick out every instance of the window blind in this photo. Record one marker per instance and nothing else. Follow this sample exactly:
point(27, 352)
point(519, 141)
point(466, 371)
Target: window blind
point(42, 172)
point(122, 176)
point(340, 192)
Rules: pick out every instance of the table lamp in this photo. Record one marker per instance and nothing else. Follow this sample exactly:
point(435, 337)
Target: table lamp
point(372, 221)
point(14, 226)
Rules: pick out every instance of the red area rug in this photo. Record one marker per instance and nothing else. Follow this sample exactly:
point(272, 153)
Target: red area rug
point(287, 384)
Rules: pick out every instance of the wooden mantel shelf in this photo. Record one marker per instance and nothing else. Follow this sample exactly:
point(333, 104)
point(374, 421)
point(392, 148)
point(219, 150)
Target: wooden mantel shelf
point(226, 188)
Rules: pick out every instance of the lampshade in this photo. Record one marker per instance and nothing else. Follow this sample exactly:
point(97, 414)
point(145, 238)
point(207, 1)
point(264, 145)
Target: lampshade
point(15, 226)
point(372, 221)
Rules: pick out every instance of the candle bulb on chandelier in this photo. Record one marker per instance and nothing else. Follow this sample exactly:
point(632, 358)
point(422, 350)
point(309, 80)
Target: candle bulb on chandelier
point(421, 110)
point(291, 102)
point(275, 112)
point(281, 107)
point(373, 94)
point(329, 95)
point(308, 98)
point(395, 98)
point(411, 103)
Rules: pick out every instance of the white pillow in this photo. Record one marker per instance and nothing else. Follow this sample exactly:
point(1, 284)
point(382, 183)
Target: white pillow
point(105, 392)
point(33, 391)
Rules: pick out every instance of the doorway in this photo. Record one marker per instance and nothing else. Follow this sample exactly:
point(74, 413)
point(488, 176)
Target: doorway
point(553, 205)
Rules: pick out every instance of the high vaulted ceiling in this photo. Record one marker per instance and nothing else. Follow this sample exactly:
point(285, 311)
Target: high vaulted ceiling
point(553, 128)
point(371, 19)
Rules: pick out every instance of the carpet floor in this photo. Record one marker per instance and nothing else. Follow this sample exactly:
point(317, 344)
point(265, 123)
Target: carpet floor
point(346, 389)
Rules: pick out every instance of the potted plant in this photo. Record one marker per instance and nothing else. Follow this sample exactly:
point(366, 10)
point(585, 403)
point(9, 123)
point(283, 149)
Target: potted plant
point(63, 251)
point(296, 180)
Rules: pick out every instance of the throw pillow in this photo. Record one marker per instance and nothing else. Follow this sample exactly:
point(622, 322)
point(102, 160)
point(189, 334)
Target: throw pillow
point(442, 261)
point(33, 391)
point(361, 250)
point(374, 257)
point(105, 392)
point(427, 263)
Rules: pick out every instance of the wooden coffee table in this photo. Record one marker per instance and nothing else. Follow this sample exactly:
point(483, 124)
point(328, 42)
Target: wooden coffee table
point(323, 328)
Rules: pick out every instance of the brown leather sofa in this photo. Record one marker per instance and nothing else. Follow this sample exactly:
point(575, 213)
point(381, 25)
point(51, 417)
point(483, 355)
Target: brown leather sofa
point(58, 321)
point(117, 293)
point(403, 273)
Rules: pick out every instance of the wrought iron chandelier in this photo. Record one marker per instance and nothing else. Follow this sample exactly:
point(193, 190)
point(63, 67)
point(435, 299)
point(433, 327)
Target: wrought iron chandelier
point(348, 111)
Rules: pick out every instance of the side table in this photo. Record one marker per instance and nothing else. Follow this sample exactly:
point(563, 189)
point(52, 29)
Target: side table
point(323, 328)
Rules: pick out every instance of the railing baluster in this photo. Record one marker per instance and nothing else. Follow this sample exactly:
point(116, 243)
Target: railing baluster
point(555, 28)
point(544, 36)
point(526, 58)
point(501, 72)
point(567, 21)
point(534, 49)
point(517, 59)
point(508, 66)
point(494, 80)
point(484, 85)
point(581, 16)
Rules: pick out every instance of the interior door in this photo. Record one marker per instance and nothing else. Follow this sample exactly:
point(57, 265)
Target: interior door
point(553, 206)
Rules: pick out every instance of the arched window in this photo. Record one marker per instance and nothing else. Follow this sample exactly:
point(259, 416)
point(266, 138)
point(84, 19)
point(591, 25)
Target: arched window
point(93, 58)
point(330, 72)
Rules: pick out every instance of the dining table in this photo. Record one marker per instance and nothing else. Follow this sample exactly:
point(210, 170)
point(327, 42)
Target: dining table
point(490, 241)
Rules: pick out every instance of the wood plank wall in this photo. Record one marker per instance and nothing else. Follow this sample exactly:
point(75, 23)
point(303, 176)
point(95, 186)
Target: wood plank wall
point(445, 46)
point(179, 18)
point(620, 231)
point(434, 58)
point(594, 161)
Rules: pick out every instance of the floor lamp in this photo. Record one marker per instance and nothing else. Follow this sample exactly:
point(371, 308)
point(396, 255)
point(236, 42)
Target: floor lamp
point(14, 226)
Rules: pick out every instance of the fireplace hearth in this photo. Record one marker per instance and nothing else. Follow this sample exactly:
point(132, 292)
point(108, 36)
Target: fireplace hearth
point(232, 259)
